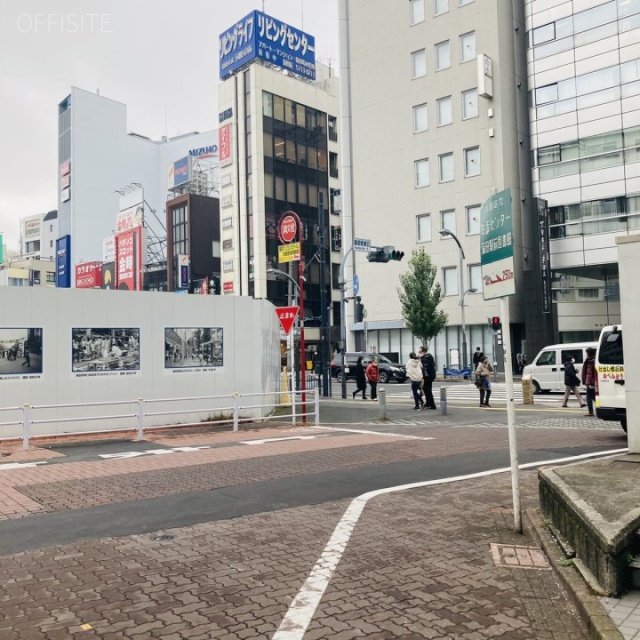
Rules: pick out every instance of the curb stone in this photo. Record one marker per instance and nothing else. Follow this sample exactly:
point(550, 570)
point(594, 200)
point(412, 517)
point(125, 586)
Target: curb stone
point(593, 614)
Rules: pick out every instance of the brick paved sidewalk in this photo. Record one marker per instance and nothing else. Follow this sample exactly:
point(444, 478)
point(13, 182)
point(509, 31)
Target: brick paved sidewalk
point(421, 563)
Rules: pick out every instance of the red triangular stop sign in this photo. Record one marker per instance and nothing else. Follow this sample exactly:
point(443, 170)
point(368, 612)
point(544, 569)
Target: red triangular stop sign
point(287, 316)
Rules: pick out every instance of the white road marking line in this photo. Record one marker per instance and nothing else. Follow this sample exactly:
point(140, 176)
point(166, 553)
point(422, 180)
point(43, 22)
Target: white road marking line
point(304, 605)
point(268, 440)
point(377, 433)
point(19, 465)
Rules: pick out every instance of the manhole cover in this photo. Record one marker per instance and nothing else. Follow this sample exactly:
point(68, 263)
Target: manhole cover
point(164, 537)
point(518, 557)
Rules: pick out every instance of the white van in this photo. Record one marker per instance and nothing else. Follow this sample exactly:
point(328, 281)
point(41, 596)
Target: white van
point(611, 402)
point(547, 368)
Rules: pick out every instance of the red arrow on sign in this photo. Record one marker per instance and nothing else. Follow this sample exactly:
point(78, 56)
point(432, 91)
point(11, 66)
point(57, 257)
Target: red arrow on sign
point(287, 316)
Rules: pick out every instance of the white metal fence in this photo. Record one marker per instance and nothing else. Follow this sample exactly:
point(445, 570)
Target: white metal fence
point(299, 407)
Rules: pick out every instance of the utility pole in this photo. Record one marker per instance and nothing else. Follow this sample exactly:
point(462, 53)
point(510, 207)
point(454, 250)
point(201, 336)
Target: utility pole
point(324, 321)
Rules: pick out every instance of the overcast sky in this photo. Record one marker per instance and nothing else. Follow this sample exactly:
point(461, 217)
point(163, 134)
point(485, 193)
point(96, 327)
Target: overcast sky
point(159, 57)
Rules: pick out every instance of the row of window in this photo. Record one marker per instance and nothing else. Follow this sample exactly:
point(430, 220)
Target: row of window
point(584, 27)
point(444, 110)
point(448, 221)
point(578, 91)
point(589, 154)
point(443, 55)
point(450, 279)
point(595, 216)
point(417, 9)
point(446, 172)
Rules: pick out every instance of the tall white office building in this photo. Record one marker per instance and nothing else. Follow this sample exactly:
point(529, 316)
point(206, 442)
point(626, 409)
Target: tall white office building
point(583, 62)
point(440, 124)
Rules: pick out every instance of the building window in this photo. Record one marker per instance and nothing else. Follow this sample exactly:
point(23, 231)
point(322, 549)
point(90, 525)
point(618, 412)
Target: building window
point(546, 94)
point(475, 277)
point(416, 8)
point(51, 276)
point(468, 46)
point(450, 281)
point(473, 219)
point(444, 107)
point(422, 172)
point(440, 6)
point(333, 129)
point(448, 220)
point(472, 162)
point(336, 238)
point(469, 104)
point(333, 164)
point(461, 3)
point(443, 55)
point(420, 121)
point(419, 63)
point(336, 201)
point(424, 227)
point(445, 163)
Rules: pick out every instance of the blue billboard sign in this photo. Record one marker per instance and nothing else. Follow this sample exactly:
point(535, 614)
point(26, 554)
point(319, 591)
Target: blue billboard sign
point(260, 36)
point(63, 262)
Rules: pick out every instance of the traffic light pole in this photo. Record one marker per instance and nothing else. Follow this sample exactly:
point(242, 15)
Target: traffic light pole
point(343, 321)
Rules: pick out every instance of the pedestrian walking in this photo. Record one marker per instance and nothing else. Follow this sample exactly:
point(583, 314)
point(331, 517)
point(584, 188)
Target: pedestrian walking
point(477, 358)
point(589, 378)
point(483, 380)
point(361, 380)
point(372, 377)
point(428, 376)
point(414, 371)
point(571, 383)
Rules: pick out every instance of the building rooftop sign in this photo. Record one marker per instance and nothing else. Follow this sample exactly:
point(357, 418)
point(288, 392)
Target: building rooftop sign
point(259, 36)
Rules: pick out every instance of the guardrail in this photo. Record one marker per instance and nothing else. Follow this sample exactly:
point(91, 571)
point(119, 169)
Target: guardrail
point(299, 404)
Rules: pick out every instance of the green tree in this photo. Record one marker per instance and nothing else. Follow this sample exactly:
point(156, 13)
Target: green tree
point(420, 296)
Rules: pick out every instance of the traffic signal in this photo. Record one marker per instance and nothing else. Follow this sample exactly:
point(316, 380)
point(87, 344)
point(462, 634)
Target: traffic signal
point(496, 325)
point(359, 314)
point(385, 254)
point(377, 255)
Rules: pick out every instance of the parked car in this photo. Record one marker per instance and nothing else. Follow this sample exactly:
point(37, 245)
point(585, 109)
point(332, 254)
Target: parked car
point(387, 370)
point(611, 400)
point(547, 368)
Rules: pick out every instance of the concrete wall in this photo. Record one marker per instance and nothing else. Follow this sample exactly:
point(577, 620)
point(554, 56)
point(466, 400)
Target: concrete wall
point(629, 265)
point(250, 356)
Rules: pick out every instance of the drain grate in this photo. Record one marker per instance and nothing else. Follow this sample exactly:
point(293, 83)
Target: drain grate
point(518, 557)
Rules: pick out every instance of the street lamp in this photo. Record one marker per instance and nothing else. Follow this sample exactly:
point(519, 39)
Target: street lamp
point(446, 232)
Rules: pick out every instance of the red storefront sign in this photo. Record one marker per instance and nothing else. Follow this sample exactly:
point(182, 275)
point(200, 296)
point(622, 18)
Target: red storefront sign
point(129, 260)
point(89, 275)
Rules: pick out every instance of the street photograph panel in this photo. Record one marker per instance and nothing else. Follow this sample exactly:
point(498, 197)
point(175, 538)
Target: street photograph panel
point(20, 351)
point(105, 351)
point(193, 348)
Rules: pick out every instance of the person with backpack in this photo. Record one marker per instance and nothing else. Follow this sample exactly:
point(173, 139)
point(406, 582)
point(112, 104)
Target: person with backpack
point(428, 376)
point(571, 383)
point(361, 380)
point(483, 381)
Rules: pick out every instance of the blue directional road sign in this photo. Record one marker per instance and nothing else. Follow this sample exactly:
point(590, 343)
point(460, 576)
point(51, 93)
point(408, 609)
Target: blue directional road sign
point(356, 284)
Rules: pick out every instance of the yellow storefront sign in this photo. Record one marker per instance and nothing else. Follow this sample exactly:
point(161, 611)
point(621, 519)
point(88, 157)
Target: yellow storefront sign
point(289, 252)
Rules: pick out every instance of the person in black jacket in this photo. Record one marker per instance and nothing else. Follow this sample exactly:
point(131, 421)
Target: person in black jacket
point(428, 376)
point(361, 379)
point(571, 383)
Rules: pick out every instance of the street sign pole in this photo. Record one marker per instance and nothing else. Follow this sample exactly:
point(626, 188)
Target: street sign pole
point(496, 254)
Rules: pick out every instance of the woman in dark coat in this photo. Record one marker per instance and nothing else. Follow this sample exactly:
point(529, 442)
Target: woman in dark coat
point(361, 380)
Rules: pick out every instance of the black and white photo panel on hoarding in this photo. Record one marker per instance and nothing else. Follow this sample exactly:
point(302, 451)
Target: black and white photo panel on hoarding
point(20, 353)
point(105, 352)
point(193, 348)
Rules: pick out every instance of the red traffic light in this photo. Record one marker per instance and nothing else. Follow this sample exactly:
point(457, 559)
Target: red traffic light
point(495, 323)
